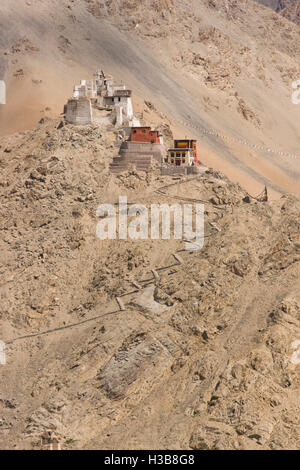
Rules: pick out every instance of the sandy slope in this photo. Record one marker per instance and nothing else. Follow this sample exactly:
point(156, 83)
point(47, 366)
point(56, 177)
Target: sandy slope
point(218, 64)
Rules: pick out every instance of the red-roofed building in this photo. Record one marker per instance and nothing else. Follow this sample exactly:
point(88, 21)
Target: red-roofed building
point(145, 135)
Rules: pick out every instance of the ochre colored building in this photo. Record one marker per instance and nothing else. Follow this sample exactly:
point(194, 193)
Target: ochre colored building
point(184, 153)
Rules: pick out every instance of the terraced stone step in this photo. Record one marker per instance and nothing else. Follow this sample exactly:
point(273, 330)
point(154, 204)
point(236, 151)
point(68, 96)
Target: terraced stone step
point(131, 161)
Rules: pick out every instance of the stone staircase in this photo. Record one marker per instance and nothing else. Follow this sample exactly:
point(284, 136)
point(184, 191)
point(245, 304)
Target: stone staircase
point(157, 151)
point(123, 162)
point(139, 154)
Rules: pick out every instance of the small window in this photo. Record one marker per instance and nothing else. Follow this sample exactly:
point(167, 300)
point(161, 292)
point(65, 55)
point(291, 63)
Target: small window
point(144, 131)
point(134, 131)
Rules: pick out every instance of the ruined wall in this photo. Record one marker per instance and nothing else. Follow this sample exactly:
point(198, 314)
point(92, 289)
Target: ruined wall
point(79, 111)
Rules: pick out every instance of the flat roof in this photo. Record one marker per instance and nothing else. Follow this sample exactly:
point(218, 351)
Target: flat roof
point(182, 149)
point(185, 140)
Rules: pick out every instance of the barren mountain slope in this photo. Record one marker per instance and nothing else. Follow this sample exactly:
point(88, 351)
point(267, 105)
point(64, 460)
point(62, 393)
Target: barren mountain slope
point(201, 357)
point(220, 65)
point(204, 354)
point(290, 9)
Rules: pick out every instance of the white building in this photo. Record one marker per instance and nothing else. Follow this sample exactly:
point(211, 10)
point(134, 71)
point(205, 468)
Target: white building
point(103, 94)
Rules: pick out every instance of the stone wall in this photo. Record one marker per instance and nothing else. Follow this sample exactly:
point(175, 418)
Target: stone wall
point(175, 171)
point(182, 170)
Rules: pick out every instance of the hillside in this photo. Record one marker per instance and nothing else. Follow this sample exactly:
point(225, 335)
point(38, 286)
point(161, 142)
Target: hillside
point(225, 66)
point(200, 358)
